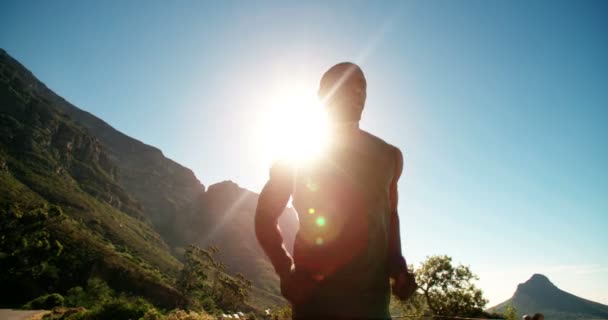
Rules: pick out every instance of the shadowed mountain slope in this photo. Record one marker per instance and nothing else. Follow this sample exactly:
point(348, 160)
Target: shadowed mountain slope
point(167, 191)
point(168, 205)
point(50, 165)
point(538, 294)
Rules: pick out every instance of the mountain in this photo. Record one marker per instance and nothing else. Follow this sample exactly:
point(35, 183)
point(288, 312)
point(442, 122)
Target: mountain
point(538, 294)
point(119, 191)
point(167, 191)
point(65, 215)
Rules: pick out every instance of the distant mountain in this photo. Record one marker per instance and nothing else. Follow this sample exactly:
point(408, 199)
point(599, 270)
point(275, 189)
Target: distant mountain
point(538, 294)
point(122, 190)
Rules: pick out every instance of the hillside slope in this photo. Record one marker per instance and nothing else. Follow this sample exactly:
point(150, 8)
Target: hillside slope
point(538, 294)
point(131, 178)
point(48, 161)
point(166, 190)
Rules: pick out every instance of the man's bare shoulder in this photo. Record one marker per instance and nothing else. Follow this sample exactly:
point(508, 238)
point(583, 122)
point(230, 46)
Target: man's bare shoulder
point(377, 140)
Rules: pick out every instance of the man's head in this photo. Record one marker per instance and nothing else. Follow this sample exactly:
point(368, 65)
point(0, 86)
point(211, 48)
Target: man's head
point(343, 89)
point(538, 316)
point(526, 317)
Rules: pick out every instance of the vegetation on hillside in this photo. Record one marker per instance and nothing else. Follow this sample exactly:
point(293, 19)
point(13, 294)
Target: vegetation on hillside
point(46, 253)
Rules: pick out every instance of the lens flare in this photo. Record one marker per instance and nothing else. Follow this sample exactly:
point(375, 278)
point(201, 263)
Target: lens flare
point(320, 221)
point(319, 241)
point(312, 187)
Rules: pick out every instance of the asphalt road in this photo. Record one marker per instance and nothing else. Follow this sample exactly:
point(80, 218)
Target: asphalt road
point(9, 314)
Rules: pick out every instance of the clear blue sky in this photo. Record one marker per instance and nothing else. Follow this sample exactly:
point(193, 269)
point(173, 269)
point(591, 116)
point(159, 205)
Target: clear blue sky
point(500, 107)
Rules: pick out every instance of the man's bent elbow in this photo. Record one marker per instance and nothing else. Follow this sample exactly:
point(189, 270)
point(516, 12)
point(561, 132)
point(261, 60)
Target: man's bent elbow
point(262, 224)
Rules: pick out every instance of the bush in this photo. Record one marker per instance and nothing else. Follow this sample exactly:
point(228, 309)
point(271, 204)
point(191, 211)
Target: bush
point(98, 292)
point(284, 313)
point(48, 301)
point(76, 297)
point(121, 308)
point(153, 314)
point(209, 305)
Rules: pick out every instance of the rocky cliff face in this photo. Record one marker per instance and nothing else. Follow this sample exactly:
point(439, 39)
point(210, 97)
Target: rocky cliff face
point(44, 140)
point(539, 294)
point(169, 193)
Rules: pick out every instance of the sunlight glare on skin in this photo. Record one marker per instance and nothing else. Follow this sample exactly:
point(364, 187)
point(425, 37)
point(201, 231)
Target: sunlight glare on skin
point(295, 124)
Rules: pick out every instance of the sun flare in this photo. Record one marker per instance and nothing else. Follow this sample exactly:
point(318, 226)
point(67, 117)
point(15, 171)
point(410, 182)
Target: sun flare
point(294, 123)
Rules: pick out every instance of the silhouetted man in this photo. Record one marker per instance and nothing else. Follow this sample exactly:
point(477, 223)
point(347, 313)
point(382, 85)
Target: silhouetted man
point(348, 243)
point(538, 316)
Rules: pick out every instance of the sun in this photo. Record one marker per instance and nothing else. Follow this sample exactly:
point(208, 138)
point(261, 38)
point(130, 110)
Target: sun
point(294, 124)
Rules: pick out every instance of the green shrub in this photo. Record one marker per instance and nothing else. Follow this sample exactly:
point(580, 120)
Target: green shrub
point(153, 314)
point(122, 308)
point(284, 313)
point(209, 304)
point(98, 293)
point(47, 301)
point(76, 297)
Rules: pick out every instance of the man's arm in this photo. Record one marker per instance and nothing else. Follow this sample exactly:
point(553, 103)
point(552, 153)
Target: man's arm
point(271, 203)
point(396, 261)
point(405, 284)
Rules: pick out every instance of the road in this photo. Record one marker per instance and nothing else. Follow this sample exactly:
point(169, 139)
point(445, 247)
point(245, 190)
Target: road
point(9, 314)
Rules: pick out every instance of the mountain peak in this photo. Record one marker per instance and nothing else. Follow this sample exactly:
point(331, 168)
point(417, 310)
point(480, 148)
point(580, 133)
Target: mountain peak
point(539, 279)
point(539, 294)
point(536, 283)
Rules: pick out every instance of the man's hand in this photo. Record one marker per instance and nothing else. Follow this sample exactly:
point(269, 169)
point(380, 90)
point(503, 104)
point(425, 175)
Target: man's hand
point(286, 279)
point(404, 285)
point(296, 287)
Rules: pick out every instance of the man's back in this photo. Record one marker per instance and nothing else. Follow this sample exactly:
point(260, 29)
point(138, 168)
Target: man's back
point(343, 204)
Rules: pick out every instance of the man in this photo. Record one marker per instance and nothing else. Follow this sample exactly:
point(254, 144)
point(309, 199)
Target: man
point(526, 317)
point(348, 244)
point(538, 316)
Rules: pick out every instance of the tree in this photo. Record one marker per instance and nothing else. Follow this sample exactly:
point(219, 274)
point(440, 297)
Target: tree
point(415, 306)
point(192, 278)
point(233, 292)
point(204, 280)
point(510, 313)
point(31, 256)
point(449, 290)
